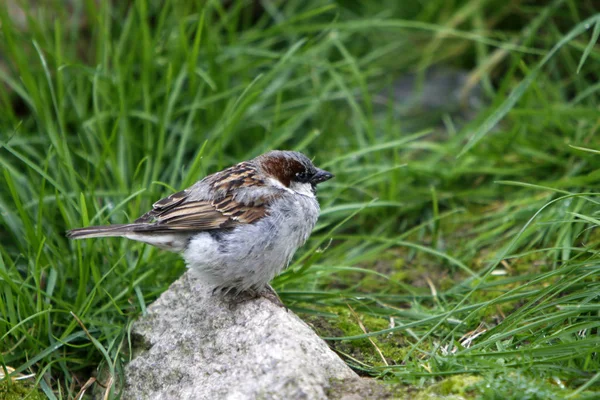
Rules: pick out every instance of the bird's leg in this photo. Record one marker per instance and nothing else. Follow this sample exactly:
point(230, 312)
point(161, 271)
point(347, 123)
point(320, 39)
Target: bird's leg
point(235, 297)
point(270, 294)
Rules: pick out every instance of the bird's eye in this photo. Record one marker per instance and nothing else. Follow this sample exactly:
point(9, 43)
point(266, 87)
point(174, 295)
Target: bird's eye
point(303, 177)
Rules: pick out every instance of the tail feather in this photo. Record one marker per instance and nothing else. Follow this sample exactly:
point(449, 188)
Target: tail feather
point(103, 231)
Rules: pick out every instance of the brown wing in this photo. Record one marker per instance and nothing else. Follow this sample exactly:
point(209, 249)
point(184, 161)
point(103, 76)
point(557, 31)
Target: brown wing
point(163, 205)
point(180, 212)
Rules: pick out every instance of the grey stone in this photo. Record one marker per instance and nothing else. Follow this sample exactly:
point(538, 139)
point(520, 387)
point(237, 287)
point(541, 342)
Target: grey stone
point(441, 90)
point(422, 102)
point(192, 345)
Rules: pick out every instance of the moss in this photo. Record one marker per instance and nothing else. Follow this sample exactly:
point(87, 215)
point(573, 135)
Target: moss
point(19, 390)
point(364, 389)
point(461, 387)
point(400, 266)
point(455, 387)
point(518, 385)
point(399, 276)
point(392, 346)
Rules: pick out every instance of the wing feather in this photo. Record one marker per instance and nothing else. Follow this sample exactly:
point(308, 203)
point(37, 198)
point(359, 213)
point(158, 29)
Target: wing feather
point(182, 212)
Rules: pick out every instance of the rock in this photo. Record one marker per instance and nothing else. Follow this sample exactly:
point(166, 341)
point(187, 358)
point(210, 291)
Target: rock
point(420, 102)
point(441, 90)
point(192, 345)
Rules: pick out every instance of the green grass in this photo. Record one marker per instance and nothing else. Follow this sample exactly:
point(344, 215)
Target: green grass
point(466, 247)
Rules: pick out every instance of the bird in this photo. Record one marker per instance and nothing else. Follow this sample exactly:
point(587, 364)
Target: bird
point(237, 228)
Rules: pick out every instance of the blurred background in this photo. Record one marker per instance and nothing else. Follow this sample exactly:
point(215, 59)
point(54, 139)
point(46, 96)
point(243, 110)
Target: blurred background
point(456, 253)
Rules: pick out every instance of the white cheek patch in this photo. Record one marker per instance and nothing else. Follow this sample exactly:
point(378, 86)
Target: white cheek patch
point(279, 185)
point(304, 189)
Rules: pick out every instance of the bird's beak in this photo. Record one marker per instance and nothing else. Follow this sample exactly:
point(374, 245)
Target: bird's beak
point(321, 176)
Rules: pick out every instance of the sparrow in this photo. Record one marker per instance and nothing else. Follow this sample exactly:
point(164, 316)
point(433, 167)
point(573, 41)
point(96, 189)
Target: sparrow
point(237, 228)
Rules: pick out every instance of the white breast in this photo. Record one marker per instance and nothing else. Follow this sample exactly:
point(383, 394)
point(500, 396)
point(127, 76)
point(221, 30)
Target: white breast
point(249, 256)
